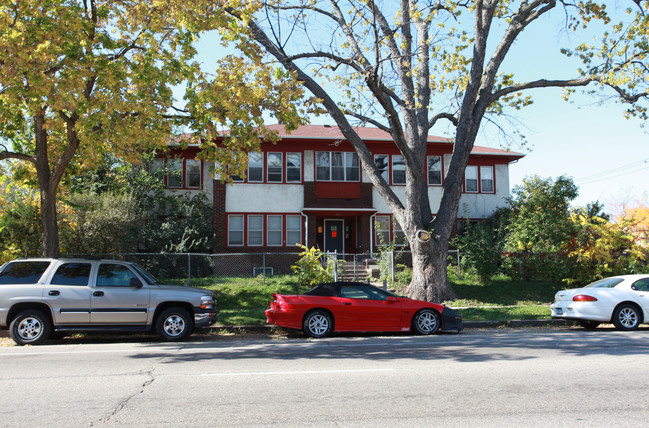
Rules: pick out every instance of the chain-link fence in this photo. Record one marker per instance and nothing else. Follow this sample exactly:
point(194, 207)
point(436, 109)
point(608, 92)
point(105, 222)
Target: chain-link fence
point(185, 266)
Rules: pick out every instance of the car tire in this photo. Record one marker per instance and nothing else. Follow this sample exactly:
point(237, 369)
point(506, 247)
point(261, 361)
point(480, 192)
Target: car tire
point(30, 327)
point(426, 321)
point(174, 325)
point(588, 324)
point(626, 317)
point(318, 324)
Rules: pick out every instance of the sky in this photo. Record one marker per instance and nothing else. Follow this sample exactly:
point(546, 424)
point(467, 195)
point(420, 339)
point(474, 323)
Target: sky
point(606, 154)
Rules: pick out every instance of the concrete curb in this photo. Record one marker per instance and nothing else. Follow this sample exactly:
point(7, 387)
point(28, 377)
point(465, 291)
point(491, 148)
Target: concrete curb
point(267, 329)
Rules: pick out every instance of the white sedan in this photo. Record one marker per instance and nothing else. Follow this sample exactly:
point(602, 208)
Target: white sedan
point(622, 300)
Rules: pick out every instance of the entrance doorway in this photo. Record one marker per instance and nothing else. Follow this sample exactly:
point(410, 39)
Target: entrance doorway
point(334, 239)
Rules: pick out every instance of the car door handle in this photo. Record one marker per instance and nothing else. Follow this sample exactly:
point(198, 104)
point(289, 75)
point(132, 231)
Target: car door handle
point(98, 293)
point(54, 292)
point(347, 304)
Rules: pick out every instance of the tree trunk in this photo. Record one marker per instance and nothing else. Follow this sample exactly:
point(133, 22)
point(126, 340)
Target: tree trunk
point(50, 223)
point(429, 279)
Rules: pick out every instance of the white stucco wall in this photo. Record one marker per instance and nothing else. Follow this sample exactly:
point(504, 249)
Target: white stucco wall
point(264, 198)
point(478, 205)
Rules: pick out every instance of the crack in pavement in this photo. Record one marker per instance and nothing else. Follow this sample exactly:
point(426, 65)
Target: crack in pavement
point(122, 404)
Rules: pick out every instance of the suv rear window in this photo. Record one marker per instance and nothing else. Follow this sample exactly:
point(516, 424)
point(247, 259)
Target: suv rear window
point(23, 272)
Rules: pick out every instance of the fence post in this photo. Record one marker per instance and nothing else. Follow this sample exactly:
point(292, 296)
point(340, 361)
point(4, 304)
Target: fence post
point(336, 266)
point(263, 269)
point(189, 268)
point(392, 264)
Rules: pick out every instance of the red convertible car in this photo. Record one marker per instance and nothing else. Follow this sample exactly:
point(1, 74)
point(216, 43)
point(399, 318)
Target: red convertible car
point(356, 306)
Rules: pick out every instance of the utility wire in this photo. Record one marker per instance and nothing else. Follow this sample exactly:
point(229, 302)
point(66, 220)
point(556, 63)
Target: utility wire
point(631, 168)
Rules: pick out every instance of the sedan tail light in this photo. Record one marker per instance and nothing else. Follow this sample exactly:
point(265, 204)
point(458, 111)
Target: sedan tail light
point(583, 298)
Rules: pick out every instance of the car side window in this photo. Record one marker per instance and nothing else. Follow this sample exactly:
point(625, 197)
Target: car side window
point(111, 275)
point(72, 274)
point(357, 292)
point(641, 285)
point(23, 272)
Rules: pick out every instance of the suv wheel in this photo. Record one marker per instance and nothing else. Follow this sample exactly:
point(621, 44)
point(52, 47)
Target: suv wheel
point(30, 327)
point(174, 325)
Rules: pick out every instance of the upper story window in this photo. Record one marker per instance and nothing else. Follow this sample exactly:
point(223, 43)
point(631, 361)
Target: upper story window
point(175, 173)
point(275, 164)
point(180, 173)
point(434, 170)
point(398, 170)
point(337, 166)
point(471, 179)
point(382, 163)
point(487, 179)
point(193, 173)
point(293, 167)
point(274, 167)
point(479, 179)
point(255, 167)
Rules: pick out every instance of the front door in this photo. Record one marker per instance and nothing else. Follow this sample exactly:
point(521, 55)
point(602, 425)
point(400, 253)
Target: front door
point(334, 236)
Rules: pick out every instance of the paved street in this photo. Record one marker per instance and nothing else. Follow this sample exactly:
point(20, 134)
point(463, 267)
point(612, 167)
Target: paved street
point(526, 377)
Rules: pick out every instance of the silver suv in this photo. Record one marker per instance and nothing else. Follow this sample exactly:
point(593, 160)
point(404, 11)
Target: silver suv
point(40, 296)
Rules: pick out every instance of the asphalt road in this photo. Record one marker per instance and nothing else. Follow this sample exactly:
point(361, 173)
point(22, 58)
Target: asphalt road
point(500, 378)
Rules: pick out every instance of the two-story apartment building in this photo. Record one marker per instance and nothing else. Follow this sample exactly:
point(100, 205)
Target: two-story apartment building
point(309, 188)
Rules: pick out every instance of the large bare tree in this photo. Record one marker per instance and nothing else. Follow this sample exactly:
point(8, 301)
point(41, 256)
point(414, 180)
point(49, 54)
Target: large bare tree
point(406, 65)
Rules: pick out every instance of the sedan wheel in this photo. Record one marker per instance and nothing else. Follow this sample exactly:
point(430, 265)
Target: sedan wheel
point(317, 324)
point(626, 317)
point(426, 321)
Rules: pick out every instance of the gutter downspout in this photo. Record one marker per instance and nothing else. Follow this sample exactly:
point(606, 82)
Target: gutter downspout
point(372, 235)
point(306, 228)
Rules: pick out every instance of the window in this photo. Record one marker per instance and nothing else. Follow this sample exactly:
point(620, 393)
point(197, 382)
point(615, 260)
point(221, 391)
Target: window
point(175, 173)
point(398, 170)
point(337, 166)
point(111, 275)
point(157, 168)
point(72, 274)
point(366, 292)
point(435, 170)
point(256, 167)
point(293, 167)
point(255, 230)
point(274, 167)
point(382, 163)
point(382, 229)
point(293, 230)
point(193, 172)
point(23, 272)
point(275, 232)
point(471, 179)
point(399, 235)
point(235, 230)
point(487, 179)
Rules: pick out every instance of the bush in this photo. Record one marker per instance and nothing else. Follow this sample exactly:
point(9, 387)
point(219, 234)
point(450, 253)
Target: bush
point(309, 268)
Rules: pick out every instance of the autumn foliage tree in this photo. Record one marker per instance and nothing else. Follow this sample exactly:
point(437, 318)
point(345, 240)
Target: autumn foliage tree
point(406, 66)
point(82, 78)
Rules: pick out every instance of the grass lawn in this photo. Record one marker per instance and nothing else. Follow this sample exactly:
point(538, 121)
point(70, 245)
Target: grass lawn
point(242, 301)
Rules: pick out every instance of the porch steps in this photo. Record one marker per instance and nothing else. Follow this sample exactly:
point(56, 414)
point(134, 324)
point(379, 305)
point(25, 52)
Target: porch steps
point(358, 271)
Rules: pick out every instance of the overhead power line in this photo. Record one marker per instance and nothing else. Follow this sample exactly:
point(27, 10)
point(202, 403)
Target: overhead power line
point(631, 168)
